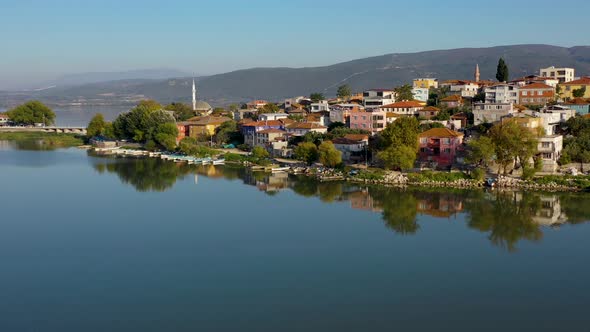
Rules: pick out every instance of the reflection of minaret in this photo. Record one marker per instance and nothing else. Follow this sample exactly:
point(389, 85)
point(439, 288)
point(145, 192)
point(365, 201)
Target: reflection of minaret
point(194, 96)
point(477, 72)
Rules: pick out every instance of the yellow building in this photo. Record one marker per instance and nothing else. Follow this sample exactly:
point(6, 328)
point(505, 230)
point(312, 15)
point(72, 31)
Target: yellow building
point(566, 90)
point(204, 125)
point(534, 124)
point(425, 83)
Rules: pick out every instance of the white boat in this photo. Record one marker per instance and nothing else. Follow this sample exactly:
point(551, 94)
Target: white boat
point(280, 169)
point(219, 162)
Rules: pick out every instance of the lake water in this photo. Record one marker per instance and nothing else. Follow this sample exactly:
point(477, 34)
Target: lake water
point(98, 244)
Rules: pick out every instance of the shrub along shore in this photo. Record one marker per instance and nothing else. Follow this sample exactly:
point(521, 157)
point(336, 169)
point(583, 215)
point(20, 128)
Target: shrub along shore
point(49, 139)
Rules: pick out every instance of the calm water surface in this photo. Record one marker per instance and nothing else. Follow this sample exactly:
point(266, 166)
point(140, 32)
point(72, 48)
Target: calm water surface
point(98, 244)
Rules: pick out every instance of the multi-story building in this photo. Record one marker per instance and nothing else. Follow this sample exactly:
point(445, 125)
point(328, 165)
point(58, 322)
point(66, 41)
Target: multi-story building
point(302, 128)
point(320, 106)
point(567, 89)
point(373, 120)
point(563, 75)
point(522, 81)
point(295, 100)
point(452, 101)
point(465, 89)
point(378, 97)
point(439, 146)
point(341, 112)
point(502, 93)
point(490, 113)
point(536, 94)
point(409, 107)
point(420, 94)
point(425, 83)
point(272, 116)
point(553, 117)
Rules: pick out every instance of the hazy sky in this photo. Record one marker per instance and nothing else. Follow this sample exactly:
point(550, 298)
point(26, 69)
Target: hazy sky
point(43, 39)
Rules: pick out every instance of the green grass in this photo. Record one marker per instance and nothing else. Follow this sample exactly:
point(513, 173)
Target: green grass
point(245, 158)
point(429, 176)
point(580, 181)
point(51, 139)
point(371, 175)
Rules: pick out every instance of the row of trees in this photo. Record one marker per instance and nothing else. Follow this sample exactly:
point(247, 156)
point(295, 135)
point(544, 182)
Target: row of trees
point(326, 153)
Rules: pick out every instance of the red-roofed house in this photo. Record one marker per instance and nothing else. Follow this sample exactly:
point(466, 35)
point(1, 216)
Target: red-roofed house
point(302, 128)
point(452, 101)
point(4, 119)
point(409, 107)
point(353, 146)
point(439, 146)
point(428, 112)
point(536, 94)
point(567, 89)
point(257, 104)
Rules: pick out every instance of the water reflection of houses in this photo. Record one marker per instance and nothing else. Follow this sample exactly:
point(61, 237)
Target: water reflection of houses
point(439, 205)
point(550, 213)
point(267, 182)
point(362, 200)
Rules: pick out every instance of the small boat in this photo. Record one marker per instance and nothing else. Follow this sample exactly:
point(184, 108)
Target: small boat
point(279, 169)
point(219, 162)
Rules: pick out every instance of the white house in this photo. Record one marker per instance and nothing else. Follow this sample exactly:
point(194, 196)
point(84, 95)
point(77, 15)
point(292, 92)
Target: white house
point(4, 119)
point(552, 117)
point(502, 93)
point(491, 112)
point(550, 148)
point(353, 146)
point(465, 89)
point(378, 97)
point(420, 94)
point(321, 106)
point(341, 112)
point(272, 116)
point(302, 128)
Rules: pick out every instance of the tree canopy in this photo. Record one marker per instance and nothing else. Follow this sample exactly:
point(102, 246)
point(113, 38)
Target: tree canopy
point(404, 92)
point(182, 112)
point(270, 108)
point(32, 112)
point(328, 154)
point(344, 91)
point(316, 97)
point(307, 152)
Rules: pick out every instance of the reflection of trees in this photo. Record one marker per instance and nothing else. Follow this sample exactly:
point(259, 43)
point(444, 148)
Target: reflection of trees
point(576, 207)
point(330, 191)
point(399, 209)
point(508, 217)
point(145, 174)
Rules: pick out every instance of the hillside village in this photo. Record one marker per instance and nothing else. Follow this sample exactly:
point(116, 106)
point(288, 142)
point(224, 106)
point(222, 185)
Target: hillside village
point(453, 124)
point(450, 113)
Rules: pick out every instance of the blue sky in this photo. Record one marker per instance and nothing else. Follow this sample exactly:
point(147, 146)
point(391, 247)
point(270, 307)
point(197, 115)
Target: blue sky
point(44, 39)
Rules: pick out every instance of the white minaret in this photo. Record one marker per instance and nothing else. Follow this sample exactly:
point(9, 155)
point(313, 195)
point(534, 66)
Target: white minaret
point(194, 96)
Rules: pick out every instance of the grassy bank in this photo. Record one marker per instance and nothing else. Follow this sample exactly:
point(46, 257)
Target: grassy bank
point(50, 139)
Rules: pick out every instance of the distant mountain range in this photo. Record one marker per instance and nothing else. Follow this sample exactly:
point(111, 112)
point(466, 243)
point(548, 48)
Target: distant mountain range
point(278, 83)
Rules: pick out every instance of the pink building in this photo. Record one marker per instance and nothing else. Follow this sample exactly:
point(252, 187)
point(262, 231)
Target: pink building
point(372, 120)
point(439, 145)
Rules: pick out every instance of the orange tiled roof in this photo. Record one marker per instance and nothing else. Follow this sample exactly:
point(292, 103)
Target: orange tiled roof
point(575, 101)
point(536, 86)
point(431, 109)
point(581, 81)
point(305, 125)
point(272, 131)
point(404, 104)
point(440, 132)
point(452, 98)
point(356, 137)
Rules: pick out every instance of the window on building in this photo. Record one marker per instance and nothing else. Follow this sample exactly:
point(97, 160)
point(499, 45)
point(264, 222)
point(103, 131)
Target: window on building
point(446, 141)
point(423, 140)
point(546, 145)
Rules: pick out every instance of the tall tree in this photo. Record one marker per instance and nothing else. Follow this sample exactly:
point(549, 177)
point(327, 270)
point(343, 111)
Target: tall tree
point(480, 151)
point(32, 112)
point(502, 74)
point(328, 154)
point(404, 131)
point(316, 97)
point(400, 157)
point(96, 126)
point(404, 92)
point(344, 91)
